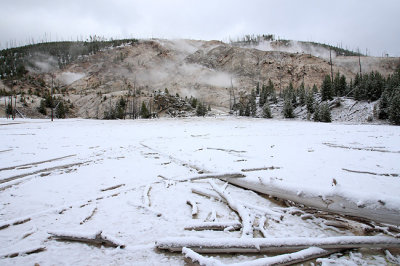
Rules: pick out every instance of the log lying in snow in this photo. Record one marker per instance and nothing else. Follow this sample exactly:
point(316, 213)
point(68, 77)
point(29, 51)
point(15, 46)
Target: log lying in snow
point(23, 252)
point(213, 226)
point(210, 175)
point(285, 259)
point(263, 211)
point(332, 203)
point(245, 216)
point(97, 238)
point(264, 245)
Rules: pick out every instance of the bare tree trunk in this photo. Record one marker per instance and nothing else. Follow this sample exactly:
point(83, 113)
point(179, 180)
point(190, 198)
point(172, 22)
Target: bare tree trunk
point(330, 59)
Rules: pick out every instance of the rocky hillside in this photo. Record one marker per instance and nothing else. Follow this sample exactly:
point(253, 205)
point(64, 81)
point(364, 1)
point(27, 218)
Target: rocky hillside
point(206, 70)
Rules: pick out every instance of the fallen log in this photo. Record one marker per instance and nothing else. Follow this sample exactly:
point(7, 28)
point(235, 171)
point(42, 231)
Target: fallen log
point(219, 226)
point(260, 169)
point(199, 177)
point(245, 216)
point(334, 203)
point(98, 238)
point(284, 259)
point(212, 195)
point(23, 252)
point(112, 188)
point(265, 245)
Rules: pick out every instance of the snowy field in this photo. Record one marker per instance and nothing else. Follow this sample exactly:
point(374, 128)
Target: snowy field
point(128, 179)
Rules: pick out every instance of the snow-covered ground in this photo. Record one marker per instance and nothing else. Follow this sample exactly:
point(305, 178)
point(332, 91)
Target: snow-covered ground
point(83, 176)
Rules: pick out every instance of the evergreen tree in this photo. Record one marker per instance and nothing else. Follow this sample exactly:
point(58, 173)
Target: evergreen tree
point(247, 110)
point(342, 86)
point(120, 109)
point(267, 111)
point(263, 95)
point(193, 102)
point(326, 89)
point(42, 107)
point(310, 102)
point(241, 110)
point(314, 89)
point(274, 98)
point(302, 94)
point(60, 110)
point(316, 112)
point(384, 105)
point(253, 105)
point(324, 113)
point(336, 85)
point(144, 112)
point(394, 108)
point(288, 109)
point(201, 109)
point(9, 110)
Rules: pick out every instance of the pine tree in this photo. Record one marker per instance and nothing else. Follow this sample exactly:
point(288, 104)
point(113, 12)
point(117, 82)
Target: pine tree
point(144, 112)
point(316, 113)
point(201, 109)
point(263, 95)
point(267, 111)
point(42, 107)
point(314, 89)
point(302, 94)
point(60, 110)
point(325, 113)
point(384, 105)
point(9, 110)
point(247, 110)
point(310, 102)
point(326, 89)
point(342, 86)
point(336, 85)
point(253, 105)
point(394, 108)
point(288, 109)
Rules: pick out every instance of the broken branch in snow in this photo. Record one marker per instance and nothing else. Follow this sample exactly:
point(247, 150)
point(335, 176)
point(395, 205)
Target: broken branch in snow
point(146, 196)
point(245, 216)
point(219, 226)
point(369, 173)
point(199, 177)
point(23, 252)
point(260, 169)
point(195, 210)
point(332, 145)
point(211, 194)
point(207, 193)
point(14, 222)
point(95, 239)
point(90, 216)
point(113, 187)
point(36, 163)
point(262, 245)
point(284, 259)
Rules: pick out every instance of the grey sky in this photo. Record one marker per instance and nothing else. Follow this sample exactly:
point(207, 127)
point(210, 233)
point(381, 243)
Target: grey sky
point(364, 24)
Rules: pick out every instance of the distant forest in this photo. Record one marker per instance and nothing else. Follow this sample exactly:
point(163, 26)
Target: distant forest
point(14, 62)
point(257, 39)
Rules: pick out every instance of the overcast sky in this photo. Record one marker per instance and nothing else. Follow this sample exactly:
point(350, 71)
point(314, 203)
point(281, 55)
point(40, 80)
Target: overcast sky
point(364, 24)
